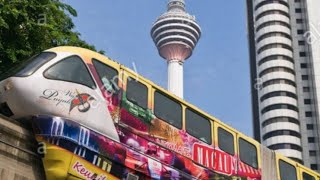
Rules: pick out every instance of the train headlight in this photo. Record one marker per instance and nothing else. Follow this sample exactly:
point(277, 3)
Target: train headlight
point(8, 86)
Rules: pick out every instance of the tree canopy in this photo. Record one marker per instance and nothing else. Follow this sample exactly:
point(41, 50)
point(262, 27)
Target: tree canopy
point(28, 27)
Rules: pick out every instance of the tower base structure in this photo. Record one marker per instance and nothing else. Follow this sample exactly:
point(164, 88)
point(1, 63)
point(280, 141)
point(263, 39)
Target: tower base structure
point(18, 157)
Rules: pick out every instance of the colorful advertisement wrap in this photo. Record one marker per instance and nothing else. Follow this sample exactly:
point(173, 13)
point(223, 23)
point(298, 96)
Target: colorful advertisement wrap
point(199, 159)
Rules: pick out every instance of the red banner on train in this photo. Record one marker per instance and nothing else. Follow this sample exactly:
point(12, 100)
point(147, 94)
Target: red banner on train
point(222, 162)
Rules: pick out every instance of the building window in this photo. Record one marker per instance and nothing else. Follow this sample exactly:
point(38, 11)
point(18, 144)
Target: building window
point(301, 43)
point(278, 81)
point(287, 171)
point(305, 77)
point(274, 45)
point(275, 57)
point(304, 65)
point(307, 101)
point(278, 93)
point(306, 89)
point(285, 146)
point(314, 166)
point(311, 139)
point(281, 133)
point(198, 126)
point(167, 109)
point(280, 119)
point(270, 23)
point(262, 3)
point(298, 10)
point(299, 21)
point(273, 34)
point(137, 93)
point(302, 54)
point(312, 153)
point(272, 12)
point(300, 31)
point(308, 114)
point(276, 69)
point(225, 141)
point(310, 127)
point(279, 106)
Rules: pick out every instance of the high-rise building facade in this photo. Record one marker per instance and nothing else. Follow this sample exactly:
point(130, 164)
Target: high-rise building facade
point(284, 44)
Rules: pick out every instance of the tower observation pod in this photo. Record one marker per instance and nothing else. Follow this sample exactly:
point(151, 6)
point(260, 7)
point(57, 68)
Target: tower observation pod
point(175, 33)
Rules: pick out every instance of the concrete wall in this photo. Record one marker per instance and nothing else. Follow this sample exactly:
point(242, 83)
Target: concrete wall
point(18, 158)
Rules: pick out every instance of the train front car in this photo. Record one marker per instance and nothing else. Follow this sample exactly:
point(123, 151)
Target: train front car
point(60, 82)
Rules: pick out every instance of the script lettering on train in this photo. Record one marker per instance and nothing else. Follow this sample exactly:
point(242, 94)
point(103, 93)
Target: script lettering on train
point(83, 171)
point(58, 96)
point(73, 99)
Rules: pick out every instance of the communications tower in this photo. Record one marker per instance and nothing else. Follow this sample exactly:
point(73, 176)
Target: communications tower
point(175, 33)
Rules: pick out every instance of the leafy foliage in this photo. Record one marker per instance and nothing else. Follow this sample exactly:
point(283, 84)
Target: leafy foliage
point(28, 27)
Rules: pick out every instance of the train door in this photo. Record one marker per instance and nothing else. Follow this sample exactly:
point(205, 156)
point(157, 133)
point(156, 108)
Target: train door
point(306, 174)
point(135, 111)
point(249, 158)
point(225, 150)
point(286, 168)
point(108, 80)
point(134, 122)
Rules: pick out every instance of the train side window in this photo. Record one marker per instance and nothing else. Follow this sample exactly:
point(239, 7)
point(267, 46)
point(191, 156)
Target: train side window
point(225, 141)
point(71, 69)
point(167, 109)
point(287, 171)
point(307, 176)
point(248, 153)
point(108, 76)
point(198, 126)
point(137, 93)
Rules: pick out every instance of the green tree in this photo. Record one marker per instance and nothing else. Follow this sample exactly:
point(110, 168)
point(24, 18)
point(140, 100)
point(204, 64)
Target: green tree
point(28, 27)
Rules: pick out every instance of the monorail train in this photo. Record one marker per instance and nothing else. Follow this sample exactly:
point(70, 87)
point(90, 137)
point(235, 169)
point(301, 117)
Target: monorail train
point(99, 120)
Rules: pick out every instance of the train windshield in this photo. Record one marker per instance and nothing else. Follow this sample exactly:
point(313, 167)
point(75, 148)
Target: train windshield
point(29, 66)
point(71, 69)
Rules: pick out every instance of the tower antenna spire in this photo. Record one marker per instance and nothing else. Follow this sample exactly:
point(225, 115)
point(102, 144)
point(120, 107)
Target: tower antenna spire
point(176, 5)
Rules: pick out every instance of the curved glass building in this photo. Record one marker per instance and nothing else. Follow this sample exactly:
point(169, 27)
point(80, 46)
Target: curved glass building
point(285, 68)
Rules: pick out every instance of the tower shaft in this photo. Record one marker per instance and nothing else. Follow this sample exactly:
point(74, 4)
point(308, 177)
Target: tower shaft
point(175, 77)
